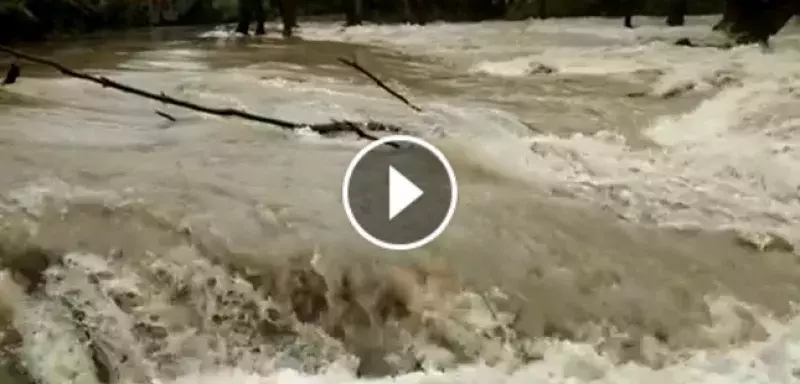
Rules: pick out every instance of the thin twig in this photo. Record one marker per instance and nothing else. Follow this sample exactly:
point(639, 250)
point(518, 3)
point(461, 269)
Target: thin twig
point(493, 311)
point(358, 67)
point(324, 128)
point(360, 132)
point(489, 306)
point(166, 116)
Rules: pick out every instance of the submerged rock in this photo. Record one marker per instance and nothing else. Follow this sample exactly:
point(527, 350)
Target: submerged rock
point(764, 241)
point(539, 68)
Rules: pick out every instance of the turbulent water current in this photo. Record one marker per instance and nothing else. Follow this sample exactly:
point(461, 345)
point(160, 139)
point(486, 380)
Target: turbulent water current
point(628, 209)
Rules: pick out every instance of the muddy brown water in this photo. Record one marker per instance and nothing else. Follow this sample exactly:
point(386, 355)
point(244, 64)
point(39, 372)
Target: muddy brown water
point(86, 169)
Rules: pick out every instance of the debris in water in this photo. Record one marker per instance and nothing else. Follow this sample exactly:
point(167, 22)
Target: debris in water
point(539, 68)
point(324, 128)
point(358, 67)
point(12, 74)
point(166, 116)
point(764, 242)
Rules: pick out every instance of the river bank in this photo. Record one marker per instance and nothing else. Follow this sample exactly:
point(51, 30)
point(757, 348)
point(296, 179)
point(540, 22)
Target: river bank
point(38, 20)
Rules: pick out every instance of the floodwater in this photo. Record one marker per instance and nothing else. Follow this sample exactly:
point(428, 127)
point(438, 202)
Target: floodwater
point(628, 209)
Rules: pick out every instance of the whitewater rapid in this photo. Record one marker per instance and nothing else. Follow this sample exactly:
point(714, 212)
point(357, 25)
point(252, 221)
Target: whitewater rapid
point(614, 123)
point(730, 162)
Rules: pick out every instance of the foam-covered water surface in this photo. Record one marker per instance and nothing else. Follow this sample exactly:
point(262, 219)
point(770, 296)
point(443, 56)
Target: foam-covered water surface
point(628, 211)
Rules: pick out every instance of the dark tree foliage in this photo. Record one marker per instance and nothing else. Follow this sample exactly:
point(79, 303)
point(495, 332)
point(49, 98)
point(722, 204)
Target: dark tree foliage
point(751, 21)
point(677, 13)
point(745, 20)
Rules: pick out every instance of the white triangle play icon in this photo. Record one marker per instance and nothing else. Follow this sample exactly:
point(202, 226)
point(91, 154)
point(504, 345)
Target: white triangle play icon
point(402, 192)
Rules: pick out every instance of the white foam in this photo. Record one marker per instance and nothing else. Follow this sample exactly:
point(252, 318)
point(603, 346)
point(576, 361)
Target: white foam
point(773, 361)
point(731, 162)
point(52, 351)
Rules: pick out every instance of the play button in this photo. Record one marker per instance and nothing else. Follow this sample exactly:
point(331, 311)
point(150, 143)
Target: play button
point(402, 192)
point(399, 198)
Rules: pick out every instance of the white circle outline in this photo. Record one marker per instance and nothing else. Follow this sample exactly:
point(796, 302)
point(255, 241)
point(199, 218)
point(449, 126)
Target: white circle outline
point(451, 176)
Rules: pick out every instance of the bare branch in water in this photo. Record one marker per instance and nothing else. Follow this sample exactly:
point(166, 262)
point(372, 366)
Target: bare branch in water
point(322, 128)
point(358, 67)
point(166, 116)
point(360, 131)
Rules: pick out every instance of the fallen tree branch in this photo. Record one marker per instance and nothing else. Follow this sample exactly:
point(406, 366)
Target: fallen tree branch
point(332, 127)
point(166, 116)
point(686, 42)
point(358, 67)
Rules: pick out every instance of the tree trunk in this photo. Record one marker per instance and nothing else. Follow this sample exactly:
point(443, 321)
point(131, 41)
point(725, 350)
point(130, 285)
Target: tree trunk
point(408, 15)
point(289, 16)
point(414, 12)
point(543, 9)
point(249, 11)
point(677, 13)
point(359, 10)
point(751, 21)
point(277, 7)
point(629, 8)
point(245, 16)
point(628, 21)
point(354, 10)
point(479, 10)
point(727, 14)
point(260, 16)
